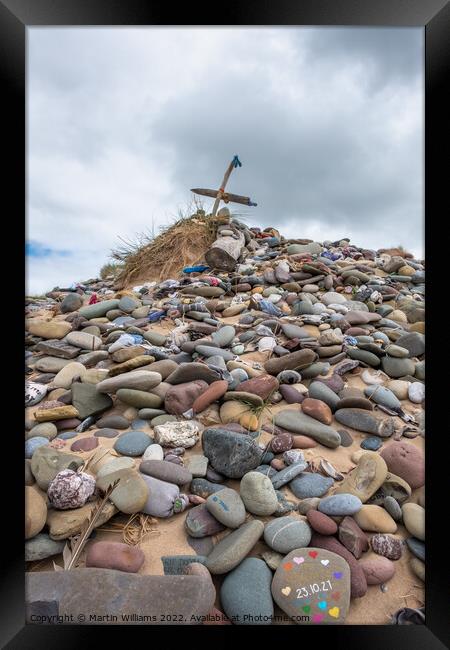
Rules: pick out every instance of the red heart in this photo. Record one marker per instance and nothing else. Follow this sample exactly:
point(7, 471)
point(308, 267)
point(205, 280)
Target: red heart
point(313, 554)
point(336, 595)
point(288, 566)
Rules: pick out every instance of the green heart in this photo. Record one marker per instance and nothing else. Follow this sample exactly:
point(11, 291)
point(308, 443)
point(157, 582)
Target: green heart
point(306, 609)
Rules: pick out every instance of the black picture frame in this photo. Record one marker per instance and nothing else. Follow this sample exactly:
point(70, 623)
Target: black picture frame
point(434, 16)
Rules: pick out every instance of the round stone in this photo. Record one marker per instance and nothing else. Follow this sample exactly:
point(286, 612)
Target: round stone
point(307, 485)
point(338, 505)
point(132, 443)
point(44, 430)
point(305, 572)
point(407, 461)
point(227, 506)
point(371, 443)
point(286, 533)
point(153, 452)
point(258, 494)
point(33, 444)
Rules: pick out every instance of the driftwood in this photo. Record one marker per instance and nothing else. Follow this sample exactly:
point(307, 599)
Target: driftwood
point(225, 251)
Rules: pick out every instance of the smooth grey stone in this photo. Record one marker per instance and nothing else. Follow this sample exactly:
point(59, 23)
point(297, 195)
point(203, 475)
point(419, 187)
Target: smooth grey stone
point(383, 396)
point(42, 546)
point(133, 443)
point(245, 593)
point(192, 371)
point(338, 505)
point(287, 533)
point(67, 435)
point(208, 351)
point(34, 443)
point(294, 331)
point(227, 507)
point(416, 547)
point(365, 356)
point(363, 420)
point(372, 443)
point(393, 508)
point(321, 391)
point(315, 369)
point(309, 484)
point(396, 368)
point(287, 474)
point(203, 488)
point(233, 548)
point(150, 414)
point(414, 342)
point(224, 335)
point(299, 423)
point(99, 309)
point(346, 439)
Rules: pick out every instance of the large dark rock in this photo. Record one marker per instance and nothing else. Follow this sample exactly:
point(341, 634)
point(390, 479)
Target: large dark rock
point(231, 454)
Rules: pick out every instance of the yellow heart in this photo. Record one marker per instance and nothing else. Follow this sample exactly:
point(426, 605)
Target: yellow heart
point(287, 590)
point(334, 612)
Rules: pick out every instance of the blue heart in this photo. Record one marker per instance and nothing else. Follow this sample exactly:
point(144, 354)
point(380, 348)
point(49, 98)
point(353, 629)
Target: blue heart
point(322, 604)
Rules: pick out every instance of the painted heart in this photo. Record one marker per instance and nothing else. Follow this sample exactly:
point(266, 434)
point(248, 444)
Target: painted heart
point(286, 591)
point(325, 562)
point(288, 566)
point(317, 618)
point(322, 604)
point(313, 554)
point(337, 575)
point(298, 560)
point(336, 595)
point(306, 609)
point(334, 612)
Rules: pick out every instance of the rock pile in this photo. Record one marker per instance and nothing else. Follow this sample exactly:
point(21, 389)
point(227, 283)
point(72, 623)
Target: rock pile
point(276, 408)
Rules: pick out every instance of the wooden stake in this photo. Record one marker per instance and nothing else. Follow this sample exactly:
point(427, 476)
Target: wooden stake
point(222, 187)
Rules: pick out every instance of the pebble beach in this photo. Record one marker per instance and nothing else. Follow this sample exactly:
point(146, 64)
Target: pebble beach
point(265, 426)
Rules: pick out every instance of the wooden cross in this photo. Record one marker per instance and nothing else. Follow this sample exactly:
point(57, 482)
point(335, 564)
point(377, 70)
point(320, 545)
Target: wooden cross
point(220, 194)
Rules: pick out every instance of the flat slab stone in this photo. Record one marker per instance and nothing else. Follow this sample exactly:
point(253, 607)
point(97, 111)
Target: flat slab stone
point(57, 348)
point(102, 595)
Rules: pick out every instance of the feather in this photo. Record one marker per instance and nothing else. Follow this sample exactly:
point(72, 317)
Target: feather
point(88, 526)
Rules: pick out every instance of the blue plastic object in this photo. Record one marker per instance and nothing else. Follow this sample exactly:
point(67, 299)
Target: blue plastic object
point(195, 269)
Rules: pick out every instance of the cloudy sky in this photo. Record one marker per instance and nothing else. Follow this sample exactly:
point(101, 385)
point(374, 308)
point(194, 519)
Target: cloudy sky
point(122, 122)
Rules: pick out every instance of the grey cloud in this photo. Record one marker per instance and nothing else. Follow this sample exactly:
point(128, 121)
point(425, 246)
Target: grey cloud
point(327, 123)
